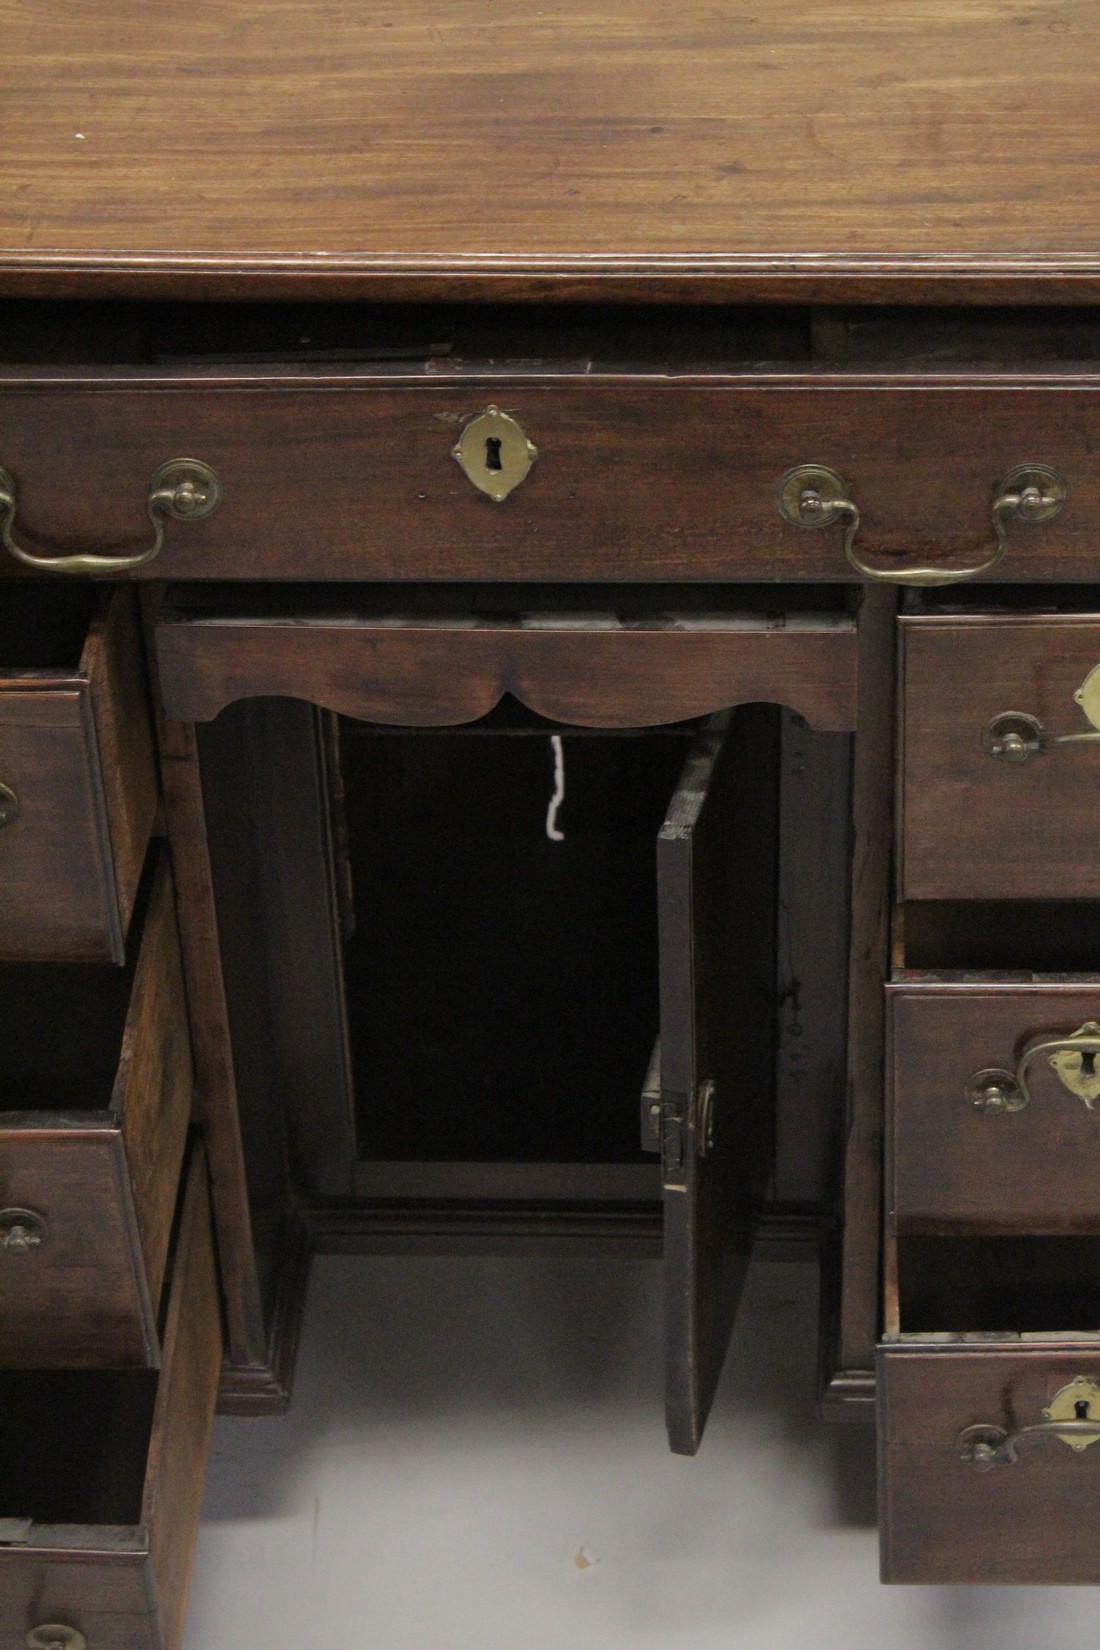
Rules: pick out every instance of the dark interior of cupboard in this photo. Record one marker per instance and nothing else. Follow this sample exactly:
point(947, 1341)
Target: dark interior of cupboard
point(501, 960)
point(461, 990)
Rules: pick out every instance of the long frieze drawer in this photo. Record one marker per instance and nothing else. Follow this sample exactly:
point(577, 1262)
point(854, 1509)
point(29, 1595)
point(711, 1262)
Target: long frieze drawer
point(95, 1101)
point(1001, 757)
point(103, 1476)
point(989, 1461)
point(78, 789)
point(995, 1108)
point(439, 668)
point(441, 471)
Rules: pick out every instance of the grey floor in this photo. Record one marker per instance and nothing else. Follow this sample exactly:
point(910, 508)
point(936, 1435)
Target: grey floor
point(475, 1460)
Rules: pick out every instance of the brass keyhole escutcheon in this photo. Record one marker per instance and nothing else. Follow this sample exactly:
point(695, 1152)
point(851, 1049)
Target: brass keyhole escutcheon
point(494, 453)
point(1076, 1065)
point(1079, 1401)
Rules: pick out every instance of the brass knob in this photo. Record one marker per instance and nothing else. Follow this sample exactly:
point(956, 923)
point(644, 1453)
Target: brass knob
point(1012, 737)
point(9, 806)
point(54, 1636)
point(21, 1230)
point(994, 1092)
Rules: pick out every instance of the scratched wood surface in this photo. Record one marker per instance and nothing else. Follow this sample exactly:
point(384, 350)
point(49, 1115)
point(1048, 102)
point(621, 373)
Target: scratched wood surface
point(819, 146)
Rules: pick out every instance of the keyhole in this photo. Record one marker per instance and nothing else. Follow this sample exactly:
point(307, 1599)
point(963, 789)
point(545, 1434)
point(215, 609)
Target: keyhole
point(492, 453)
point(1088, 1064)
point(1081, 1409)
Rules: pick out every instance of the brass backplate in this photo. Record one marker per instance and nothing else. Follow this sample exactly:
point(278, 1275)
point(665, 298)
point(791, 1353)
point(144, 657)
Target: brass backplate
point(1042, 491)
point(1076, 1068)
point(494, 453)
point(56, 1636)
point(808, 495)
point(1079, 1401)
point(195, 487)
point(1088, 696)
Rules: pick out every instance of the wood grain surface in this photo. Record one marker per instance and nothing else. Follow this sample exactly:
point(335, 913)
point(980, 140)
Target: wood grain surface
point(939, 147)
point(574, 669)
point(76, 747)
point(640, 475)
point(104, 1180)
point(954, 1170)
point(119, 1572)
point(972, 826)
point(944, 1522)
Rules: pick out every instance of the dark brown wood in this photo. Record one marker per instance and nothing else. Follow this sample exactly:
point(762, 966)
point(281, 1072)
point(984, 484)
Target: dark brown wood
point(105, 1182)
point(973, 827)
point(266, 763)
point(115, 667)
point(267, 1390)
point(215, 1089)
point(716, 873)
point(647, 476)
point(642, 147)
point(850, 1273)
point(941, 1520)
point(76, 747)
point(591, 671)
point(954, 1169)
point(120, 1575)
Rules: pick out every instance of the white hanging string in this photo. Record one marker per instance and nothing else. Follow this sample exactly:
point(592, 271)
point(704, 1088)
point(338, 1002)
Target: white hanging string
point(559, 790)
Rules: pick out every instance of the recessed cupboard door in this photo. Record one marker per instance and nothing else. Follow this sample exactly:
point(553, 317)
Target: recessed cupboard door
point(716, 859)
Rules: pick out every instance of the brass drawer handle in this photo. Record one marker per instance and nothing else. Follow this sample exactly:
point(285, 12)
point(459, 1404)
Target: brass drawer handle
point(812, 495)
point(995, 1091)
point(1015, 736)
point(1072, 1416)
point(21, 1230)
point(183, 488)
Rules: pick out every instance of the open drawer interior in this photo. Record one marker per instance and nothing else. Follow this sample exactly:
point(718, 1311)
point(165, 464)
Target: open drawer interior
point(96, 1090)
point(102, 1477)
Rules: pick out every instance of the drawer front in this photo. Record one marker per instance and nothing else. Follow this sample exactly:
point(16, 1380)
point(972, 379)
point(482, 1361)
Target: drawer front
point(942, 1518)
point(87, 1197)
point(57, 894)
point(982, 820)
point(117, 1569)
point(985, 1134)
point(598, 671)
point(76, 764)
point(637, 476)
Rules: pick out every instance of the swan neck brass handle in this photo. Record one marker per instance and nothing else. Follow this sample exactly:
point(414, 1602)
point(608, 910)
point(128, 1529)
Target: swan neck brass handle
point(996, 1091)
point(814, 496)
point(1015, 736)
point(1072, 1416)
point(984, 1446)
point(184, 489)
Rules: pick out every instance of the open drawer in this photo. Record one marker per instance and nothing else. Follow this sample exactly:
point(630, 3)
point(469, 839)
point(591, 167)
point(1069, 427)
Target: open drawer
point(988, 1461)
point(78, 790)
point(989, 1410)
point(95, 1100)
point(103, 1472)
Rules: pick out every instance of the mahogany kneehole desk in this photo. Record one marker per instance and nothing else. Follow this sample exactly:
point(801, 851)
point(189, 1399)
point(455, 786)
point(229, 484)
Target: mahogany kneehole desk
point(442, 626)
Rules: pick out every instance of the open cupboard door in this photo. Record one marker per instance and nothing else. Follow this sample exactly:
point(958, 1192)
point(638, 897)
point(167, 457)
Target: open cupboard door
point(716, 866)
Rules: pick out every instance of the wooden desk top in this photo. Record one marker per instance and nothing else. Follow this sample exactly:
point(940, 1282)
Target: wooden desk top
point(831, 150)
